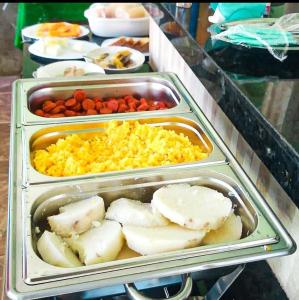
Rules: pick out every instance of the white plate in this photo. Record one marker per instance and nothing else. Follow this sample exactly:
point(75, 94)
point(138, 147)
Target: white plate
point(67, 53)
point(57, 69)
point(108, 43)
point(30, 32)
point(137, 57)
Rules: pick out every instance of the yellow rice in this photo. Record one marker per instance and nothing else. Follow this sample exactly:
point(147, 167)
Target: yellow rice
point(123, 145)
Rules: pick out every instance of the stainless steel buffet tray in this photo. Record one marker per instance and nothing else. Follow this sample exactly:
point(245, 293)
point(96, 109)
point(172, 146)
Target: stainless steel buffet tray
point(32, 195)
point(156, 86)
point(262, 235)
point(41, 202)
point(41, 136)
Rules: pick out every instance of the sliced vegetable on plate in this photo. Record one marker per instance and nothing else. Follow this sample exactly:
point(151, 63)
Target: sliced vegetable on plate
point(115, 59)
point(54, 29)
point(68, 68)
point(61, 48)
point(138, 43)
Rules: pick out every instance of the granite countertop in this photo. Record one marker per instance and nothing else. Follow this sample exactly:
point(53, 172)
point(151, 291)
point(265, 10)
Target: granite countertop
point(257, 92)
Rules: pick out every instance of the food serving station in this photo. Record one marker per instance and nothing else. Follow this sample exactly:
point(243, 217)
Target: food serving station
point(34, 194)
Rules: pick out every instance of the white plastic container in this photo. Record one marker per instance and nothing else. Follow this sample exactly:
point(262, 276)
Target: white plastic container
point(115, 27)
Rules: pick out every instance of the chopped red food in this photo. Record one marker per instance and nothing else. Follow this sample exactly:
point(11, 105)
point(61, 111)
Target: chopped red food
point(40, 112)
point(48, 105)
point(122, 108)
point(105, 110)
point(79, 95)
point(70, 113)
point(91, 112)
point(113, 105)
point(81, 105)
point(70, 102)
point(88, 104)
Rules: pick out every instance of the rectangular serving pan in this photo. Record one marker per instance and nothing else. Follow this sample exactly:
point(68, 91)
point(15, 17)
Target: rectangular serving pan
point(149, 85)
point(29, 277)
point(40, 136)
point(18, 283)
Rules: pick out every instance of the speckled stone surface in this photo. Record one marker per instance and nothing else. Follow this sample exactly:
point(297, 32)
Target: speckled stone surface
point(10, 57)
point(262, 107)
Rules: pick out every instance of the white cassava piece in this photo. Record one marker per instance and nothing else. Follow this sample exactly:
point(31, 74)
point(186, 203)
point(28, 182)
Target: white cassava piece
point(194, 207)
point(76, 218)
point(133, 212)
point(98, 244)
point(55, 251)
point(153, 240)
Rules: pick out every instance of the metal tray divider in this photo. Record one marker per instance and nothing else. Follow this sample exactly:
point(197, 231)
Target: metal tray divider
point(178, 94)
point(31, 176)
point(256, 238)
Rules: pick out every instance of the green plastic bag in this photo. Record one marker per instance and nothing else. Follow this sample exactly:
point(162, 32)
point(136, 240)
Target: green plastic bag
point(253, 36)
point(275, 39)
point(33, 13)
point(239, 11)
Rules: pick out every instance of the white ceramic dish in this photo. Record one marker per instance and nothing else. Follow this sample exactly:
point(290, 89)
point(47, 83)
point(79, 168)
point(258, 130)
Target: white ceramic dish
point(115, 27)
point(30, 32)
point(68, 52)
point(109, 42)
point(137, 57)
point(57, 69)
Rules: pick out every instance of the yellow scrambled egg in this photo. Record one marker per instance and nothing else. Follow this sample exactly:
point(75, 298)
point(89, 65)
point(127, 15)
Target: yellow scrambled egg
point(122, 146)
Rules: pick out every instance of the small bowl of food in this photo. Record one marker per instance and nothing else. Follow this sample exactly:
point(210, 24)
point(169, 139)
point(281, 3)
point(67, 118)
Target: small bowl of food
point(68, 68)
point(172, 29)
point(116, 59)
point(118, 19)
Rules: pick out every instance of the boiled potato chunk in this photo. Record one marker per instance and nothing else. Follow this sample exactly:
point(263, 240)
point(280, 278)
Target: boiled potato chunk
point(56, 252)
point(77, 217)
point(230, 231)
point(133, 212)
point(99, 244)
point(194, 207)
point(153, 240)
point(126, 253)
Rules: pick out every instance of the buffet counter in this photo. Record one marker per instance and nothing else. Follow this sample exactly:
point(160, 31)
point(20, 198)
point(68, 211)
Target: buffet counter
point(256, 91)
point(241, 91)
